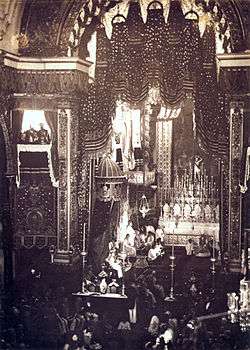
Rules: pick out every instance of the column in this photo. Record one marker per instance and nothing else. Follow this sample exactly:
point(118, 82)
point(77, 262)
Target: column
point(235, 200)
point(67, 202)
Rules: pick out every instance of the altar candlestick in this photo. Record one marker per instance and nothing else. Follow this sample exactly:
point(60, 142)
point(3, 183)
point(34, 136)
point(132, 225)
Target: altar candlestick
point(173, 244)
point(84, 237)
point(213, 246)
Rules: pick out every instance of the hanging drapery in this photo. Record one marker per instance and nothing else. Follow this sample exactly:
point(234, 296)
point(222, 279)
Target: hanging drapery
point(245, 169)
point(155, 36)
point(211, 122)
point(36, 148)
point(17, 120)
point(102, 55)
point(136, 79)
point(174, 57)
point(170, 56)
point(153, 54)
point(105, 220)
point(98, 106)
point(118, 58)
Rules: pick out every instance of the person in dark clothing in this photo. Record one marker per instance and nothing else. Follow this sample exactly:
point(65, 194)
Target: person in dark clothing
point(132, 294)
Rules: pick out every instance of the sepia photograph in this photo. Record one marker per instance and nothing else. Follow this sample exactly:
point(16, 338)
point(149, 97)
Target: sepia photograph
point(125, 174)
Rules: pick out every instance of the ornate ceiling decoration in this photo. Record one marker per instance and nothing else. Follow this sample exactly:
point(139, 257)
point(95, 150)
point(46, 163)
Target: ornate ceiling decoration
point(224, 16)
point(7, 14)
point(58, 28)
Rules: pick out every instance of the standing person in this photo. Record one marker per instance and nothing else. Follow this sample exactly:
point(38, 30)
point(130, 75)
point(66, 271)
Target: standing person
point(132, 294)
point(189, 247)
point(146, 303)
point(154, 325)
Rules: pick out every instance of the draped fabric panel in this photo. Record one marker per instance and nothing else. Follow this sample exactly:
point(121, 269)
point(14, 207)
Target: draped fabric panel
point(211, 123)
point(104, 220)
point(135, 71)
point(52, 120)
point(169, 56)
point(245, 169)
point(17, 120)
point(155, 40)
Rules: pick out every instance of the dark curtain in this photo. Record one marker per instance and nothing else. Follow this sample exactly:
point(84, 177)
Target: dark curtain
point(243, 169)
point(104, 223)
point(17, 120)
point(51, 119)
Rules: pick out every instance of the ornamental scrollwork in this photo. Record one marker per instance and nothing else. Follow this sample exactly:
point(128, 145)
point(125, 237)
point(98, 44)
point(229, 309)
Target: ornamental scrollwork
point(34, 210)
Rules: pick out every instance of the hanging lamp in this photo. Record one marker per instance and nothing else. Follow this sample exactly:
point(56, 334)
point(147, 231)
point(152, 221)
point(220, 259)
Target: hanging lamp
point(144, 206)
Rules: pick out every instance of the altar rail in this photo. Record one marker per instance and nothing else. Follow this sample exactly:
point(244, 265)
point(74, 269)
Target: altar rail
point(182, 239)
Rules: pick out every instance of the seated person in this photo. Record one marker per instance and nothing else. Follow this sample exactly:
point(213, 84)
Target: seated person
point(140, 242)
point(203, 249)
point(128, 248)
point(143, 238)
point(150, 228)
point(131, 232)
point(115, 263)
point(150, 240)
point(156, 252)
point(137, 241)
point(159, 233)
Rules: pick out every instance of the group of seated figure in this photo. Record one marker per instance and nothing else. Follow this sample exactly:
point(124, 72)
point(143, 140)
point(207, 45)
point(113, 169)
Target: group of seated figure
point(32, 136)
point(146, 246)
point(147, 241)
point(151, 242)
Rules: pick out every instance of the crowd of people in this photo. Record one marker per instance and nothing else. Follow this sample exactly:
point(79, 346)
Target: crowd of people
point(54, 319)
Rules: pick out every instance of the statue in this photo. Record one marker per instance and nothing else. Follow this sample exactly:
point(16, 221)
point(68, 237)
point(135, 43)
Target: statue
point(29, 136)
point(43, 135)
point(187, 211)
point(207, 213)
point(166, 211)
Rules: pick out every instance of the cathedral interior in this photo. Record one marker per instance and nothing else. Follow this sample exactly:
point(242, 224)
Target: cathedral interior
point(124, 174)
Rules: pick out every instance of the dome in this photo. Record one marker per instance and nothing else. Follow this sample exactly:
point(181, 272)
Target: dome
point(109, 171)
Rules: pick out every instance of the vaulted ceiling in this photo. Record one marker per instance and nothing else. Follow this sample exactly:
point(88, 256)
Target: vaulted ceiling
point(49, 27)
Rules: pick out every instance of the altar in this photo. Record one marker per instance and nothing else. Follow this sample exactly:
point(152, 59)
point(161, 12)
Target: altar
point(189, 230)
point(113, 304)
point(100, 295)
